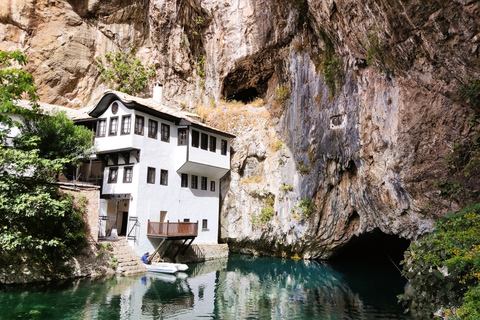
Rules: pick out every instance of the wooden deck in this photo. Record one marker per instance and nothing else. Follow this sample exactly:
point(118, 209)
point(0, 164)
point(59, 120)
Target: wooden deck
point(169, 230)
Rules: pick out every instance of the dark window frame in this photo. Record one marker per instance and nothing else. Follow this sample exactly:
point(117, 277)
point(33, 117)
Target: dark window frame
point(182, 136)
point(126, 129)
point(204, 224)
point(151, 173)
point(139, 125)
point(110, 127)
point(204, 141)
point(203, 183)
point(165, 132)
point(100, 127)
point(164, 177)
point(184, 180)
point(212, 185)
point(152, 128)
point(213, 144)
point(112, 178)
point(223, 147)
point(195, 138)
point(194, 182)
point(127, 178)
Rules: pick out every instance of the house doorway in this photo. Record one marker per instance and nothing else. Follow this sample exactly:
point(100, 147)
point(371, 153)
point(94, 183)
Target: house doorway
point(123, 228)
point(163, 216)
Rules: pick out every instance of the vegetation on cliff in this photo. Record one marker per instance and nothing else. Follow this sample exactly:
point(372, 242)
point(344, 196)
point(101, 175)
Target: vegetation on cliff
point(125, 72)
point(39, 225)
point(443, 267)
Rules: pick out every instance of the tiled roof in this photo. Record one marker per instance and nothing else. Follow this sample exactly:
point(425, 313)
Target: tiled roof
point(154, 105)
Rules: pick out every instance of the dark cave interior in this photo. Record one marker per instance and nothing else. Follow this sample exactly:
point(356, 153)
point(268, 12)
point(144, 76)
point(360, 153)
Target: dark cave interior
point(245, 96)
point(374, 246)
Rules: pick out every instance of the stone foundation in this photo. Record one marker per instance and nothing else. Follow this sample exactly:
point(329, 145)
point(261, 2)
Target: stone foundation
point(202, 252)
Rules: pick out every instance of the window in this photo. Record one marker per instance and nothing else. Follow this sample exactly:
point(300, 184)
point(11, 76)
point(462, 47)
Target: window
point(204, 224)
point(212, 185)
point(112, 175)
point(127, 174)
point(139, 122)
point(112, 131)
point(182, 136)
point(224, 147)
point(115, 107)
point(126, 122)
point(186, 220)
point(150, 175)
point(204, 141)
point(184, 180)
point(213, 144)
point(194, 184)
point(165, 132)
point(101, 128)
point(203, 184)
point(152, 128)
point(164, 177)
point(195, 138)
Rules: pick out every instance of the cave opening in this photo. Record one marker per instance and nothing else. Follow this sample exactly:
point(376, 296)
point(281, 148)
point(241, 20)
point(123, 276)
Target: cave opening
point(245, 96)
point(376, 247)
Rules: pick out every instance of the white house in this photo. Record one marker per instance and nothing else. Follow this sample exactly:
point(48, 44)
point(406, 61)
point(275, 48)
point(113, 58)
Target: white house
point(161, 167)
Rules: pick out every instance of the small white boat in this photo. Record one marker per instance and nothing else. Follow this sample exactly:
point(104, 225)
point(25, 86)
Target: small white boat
point(165, 267)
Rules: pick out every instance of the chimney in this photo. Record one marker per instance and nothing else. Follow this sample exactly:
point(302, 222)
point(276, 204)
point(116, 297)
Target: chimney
point(157, 92)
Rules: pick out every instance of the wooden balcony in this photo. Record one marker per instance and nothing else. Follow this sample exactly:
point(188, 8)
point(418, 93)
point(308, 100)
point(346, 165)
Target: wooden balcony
point(181, 230)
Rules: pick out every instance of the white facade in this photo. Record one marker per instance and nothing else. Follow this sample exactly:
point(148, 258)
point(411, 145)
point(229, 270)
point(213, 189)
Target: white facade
point(149, 167)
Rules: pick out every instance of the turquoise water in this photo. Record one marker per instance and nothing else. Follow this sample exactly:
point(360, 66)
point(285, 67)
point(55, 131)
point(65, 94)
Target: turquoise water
point(241, 287)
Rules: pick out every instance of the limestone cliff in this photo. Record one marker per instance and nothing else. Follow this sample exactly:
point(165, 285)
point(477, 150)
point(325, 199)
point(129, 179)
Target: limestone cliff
point(358, 107)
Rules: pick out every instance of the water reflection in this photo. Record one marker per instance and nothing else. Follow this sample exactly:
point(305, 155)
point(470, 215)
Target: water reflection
point(242, 287)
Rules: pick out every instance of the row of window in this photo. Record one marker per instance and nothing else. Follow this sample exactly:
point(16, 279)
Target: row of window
point(127, 175)
point(202, 140)
point(206, 142)
point(138, 128)
point(151, 174)
point(194, 182)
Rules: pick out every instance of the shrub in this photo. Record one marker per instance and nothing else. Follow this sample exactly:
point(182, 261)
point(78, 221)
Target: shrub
point(282, 94)
point(304, 209)
point(443, 267)
point(125, 72)
point(470, 92)
point(266, 214)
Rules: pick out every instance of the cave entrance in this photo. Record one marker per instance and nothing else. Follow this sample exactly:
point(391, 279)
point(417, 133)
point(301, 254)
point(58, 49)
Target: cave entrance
point(373, 247)
point(245, 96)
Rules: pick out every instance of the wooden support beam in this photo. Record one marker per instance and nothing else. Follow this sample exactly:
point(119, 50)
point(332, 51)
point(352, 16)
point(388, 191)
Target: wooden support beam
point(156, 250)
point(185, 250)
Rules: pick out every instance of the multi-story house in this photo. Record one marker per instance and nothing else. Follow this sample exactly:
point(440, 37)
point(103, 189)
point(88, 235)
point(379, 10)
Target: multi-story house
point(161, 171)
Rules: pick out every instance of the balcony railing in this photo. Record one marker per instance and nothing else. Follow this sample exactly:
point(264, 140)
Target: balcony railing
point(172, 229)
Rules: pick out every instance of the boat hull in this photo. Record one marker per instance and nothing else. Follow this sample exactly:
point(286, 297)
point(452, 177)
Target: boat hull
point(166, 267)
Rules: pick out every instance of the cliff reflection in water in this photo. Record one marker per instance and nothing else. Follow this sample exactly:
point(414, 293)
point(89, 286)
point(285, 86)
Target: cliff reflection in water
point(238, 288)
point(267, 288)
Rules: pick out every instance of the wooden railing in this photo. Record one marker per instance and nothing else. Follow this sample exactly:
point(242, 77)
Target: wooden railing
point(172, 229)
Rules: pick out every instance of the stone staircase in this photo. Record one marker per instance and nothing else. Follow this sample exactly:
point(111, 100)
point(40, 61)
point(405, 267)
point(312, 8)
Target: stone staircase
point(128, 262)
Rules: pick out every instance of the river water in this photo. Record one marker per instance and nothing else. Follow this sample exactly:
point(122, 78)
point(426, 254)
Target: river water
point(242, 287)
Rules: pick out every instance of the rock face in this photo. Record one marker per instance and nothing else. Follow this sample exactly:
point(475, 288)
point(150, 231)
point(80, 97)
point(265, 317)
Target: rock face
point(359, 100)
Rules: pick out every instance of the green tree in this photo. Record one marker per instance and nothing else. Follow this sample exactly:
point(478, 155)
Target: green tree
point(38, 224)
point(125, 72)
